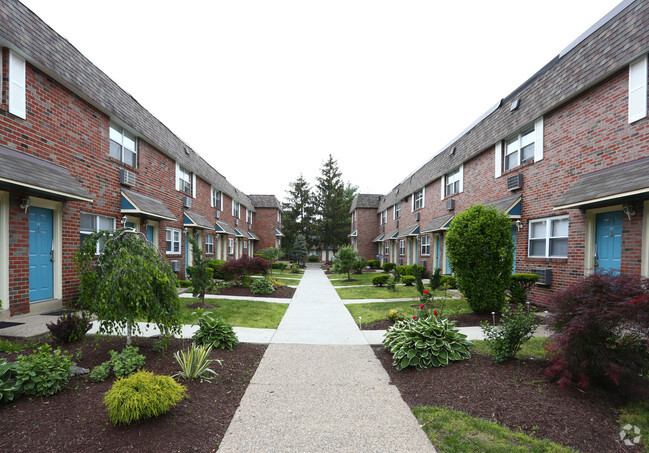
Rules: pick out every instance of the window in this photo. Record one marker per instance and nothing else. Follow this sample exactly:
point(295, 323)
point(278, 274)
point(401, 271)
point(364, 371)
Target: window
point(173, 241)
point(122, 145)
point(93, 223)
point(236, 208)
point(519, 149)
point(638, 89)
point(396, 211)
point(184, 180)
point(425, 245)
point(245, 247)
point(279, 216)
point(209, 244)
point(17, 86)
point(402, 246)
point(549, 237)
point(387, 250)
point(248, 216)
point(230, 246)
point(384, 217)
point(453, 182)
point(217, 200)
point(418, 200)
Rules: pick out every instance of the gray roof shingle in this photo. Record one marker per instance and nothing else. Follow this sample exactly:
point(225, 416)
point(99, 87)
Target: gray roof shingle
point(147, 206)
point(265, 201)
point(365, 200)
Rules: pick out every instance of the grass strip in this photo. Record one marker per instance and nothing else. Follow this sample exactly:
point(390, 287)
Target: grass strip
point(377, 311)
point(241, 313)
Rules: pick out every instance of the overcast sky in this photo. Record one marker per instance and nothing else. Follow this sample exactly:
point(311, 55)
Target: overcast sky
point(266, 90)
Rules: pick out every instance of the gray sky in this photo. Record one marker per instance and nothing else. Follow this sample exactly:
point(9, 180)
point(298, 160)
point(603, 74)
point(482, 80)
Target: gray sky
point(266, 90)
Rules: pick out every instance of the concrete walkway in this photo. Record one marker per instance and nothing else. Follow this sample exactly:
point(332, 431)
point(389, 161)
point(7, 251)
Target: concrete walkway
point(319, 387)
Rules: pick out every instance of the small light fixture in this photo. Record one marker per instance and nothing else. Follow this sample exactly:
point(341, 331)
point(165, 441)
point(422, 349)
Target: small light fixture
point(628, 210)
point(145, 222)
point(25, 204)
point(519, 224)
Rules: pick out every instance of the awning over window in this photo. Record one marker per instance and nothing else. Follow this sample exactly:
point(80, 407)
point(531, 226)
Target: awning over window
point(379, 238)
point(438, 224)
point(239, 234)
point(613, 183)
point(510, 205)
point(223, 228)
point(195, 220)
point(412, 230)
point(39, 176)
point(354, 234)
point(134, 203)
point(278, 233)
point(253, 236)
point(391, 235)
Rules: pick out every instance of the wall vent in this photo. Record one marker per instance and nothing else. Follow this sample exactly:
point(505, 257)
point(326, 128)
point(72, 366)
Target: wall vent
point(126, 177)
point(187, 202)
point(417, 216)
point(545, 275)
point(515, 182)
point(218, 214)
point(450, 205)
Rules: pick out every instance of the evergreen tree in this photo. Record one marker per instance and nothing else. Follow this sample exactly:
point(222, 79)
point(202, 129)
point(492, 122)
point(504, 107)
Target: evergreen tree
point(333, 204)
point(299, 249)
point(299, 213)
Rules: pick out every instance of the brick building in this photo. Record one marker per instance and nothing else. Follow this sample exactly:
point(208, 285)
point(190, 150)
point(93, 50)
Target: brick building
point(566, 155)
point(268, 220)
point(77, 155)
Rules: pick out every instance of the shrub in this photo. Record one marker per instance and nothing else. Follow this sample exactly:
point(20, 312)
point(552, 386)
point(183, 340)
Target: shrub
point(601, 326)
point(141, 396)
point(410, 269)
point(345, 261)
point(395, 314)
point(515, 328)
point(280, 266)
point(295, 268)
point(408, 280)
point(8, 386)
point(44, 372)
point(359, 265)
point(436, 279)
point(380, 280)
point(374, 264)
point(194, 363)
point(184, 283)
point(388, 267)
point(100, 373)
point(240, 269)
point(215, 265)
point(481, 253)
point(314, 258)
point(520, 286)
point(215, 332)
point(276, 283)
point(262, 286)
point(200, 273)
point(126, 362)
point(418, 274)
point(448, 280)
point(423, 343)
point(70, 327)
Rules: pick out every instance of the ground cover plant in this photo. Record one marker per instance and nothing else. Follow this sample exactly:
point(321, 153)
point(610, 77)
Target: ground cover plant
point(241, 313)
point(196, 423)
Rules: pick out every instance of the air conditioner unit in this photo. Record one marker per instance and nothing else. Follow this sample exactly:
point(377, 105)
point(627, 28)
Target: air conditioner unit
point(417, 216)
point(175, 266)
point(126, 177)
point(545, 275)
point(218, 214)
point(515, 182)
point(450, 205)
point(187, 202)
point(236, 222)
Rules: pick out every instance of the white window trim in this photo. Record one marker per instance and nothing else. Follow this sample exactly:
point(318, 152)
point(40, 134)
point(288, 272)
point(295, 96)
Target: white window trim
point(499, 150)
point(402, 247)
point(122, 132)
point(460, 180)
point(192, 181)
point(96, 229)
point(425, 242)
point(548, 222)
point(395, 211)
point(591, 233)
point(230, 246)
point(214, 191)
point(180, 241)
point(248, 216)
point(17, 86)
point(423, 199)
point(236, 209)
point(638, 89)
point(209, 244)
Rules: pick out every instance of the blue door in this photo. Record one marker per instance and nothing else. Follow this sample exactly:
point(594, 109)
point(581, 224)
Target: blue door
point(438, 261)
point(608, 242)
point(149, 233)
point(41, 255)
point(514, 231)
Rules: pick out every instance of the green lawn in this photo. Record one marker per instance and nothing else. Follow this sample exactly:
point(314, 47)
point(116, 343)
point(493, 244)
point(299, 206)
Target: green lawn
point(357, 279)
point(453, 431)
point(288, 280)
point(286, 274)
point(377, 311)
point(374, 292)
point(241, 313)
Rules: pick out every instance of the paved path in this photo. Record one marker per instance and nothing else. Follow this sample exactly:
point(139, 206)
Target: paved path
point(319, 387)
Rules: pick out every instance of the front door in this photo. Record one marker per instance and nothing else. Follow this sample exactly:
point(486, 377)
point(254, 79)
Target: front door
point(608, 242)
point(41, 255)
point(514, 231)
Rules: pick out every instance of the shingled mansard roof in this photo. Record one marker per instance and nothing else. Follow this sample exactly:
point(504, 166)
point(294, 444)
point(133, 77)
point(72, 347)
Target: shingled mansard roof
point(365, 200)
point(24, 32)
point(584, 63)
point(265, 201)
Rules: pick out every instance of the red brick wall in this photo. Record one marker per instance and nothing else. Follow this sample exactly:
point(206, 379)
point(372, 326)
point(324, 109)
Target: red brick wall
point(367, 226)
point(264, 226)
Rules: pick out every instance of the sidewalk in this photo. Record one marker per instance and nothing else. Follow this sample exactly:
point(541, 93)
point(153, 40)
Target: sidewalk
point(319, 387)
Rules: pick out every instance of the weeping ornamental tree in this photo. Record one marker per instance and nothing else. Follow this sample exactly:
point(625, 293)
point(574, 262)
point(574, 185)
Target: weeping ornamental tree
point(127, 281)
point(481, 254)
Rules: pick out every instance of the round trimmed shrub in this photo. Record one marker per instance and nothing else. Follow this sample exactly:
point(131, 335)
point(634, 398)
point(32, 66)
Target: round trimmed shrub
point(262, 286)
point(388, 267)
point(380, 280)
point(142, 395)
point(215, 331)
point(408, 280)
point(447, 280)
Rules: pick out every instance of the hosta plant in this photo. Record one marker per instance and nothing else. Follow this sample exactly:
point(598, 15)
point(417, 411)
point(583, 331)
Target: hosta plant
point(43, 373)
point(194, 363)
point(8, 387)
point(424, 343)
point(215, 332)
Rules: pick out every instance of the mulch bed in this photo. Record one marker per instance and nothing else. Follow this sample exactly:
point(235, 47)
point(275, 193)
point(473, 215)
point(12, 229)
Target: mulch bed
point(518, 395)
point(283, 292)
point(76, 419)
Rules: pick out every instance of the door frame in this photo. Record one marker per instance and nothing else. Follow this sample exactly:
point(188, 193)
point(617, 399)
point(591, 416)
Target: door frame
point(644, 264)
point(590, 236)
point(4, 250)
point(57, 243)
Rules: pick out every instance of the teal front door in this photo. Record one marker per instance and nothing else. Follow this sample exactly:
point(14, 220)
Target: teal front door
point(41, 255)
point(514, 232)
point(608, 242)
point(149, 233)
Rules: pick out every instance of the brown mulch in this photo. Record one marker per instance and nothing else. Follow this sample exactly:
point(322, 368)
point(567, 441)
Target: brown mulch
point(76, 419)
point(283, 292)
point(518, 395)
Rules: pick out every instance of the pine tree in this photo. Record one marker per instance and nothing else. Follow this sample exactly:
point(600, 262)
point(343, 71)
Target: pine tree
point(299, 213)
point(299, 249)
